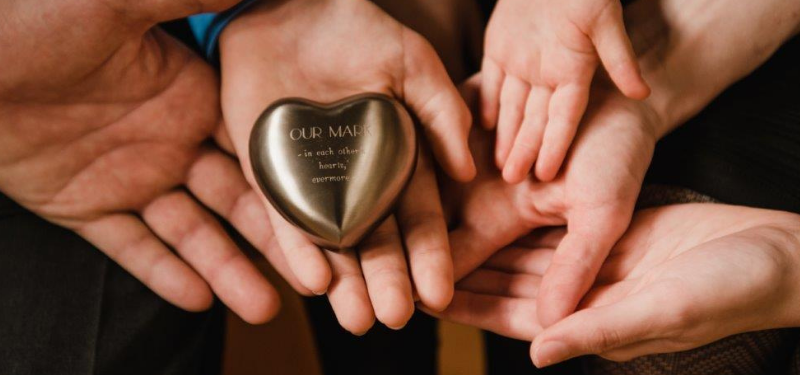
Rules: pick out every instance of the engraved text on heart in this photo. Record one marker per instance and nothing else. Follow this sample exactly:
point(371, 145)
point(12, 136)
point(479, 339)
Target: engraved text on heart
point(328, 160)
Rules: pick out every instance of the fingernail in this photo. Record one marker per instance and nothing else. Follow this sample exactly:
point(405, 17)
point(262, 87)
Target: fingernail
point(359, 334)
point(322, 293)
point(396, 328)
point(550, 353)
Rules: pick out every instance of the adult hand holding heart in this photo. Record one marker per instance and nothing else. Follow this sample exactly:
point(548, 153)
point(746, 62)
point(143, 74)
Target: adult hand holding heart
point(326, 50)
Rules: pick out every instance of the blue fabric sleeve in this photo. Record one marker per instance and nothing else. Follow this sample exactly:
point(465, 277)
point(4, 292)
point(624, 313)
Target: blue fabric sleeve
point(207, 27)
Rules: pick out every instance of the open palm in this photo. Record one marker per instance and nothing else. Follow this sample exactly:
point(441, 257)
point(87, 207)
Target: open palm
point(108, 135)
point(594, 197)
point(682, 276)
point(538, 67)
point(325, 50)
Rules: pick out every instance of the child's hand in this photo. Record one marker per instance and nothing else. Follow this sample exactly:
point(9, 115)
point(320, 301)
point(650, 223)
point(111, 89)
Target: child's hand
point(540, 58)
point(325, 50)
point(594, 197)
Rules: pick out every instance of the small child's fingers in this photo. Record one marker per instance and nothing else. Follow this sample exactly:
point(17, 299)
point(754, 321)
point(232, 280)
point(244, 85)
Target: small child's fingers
point(617, 55)
point(566, 109)
point(491, 82)
point(512, 109)
point(529, 139)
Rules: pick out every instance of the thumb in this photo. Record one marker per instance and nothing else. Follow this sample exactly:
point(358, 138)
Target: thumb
point(471, 248)
point(576, 262)
point(598, 330)
point(433, 97)
point(488, 223)
point(616, 53)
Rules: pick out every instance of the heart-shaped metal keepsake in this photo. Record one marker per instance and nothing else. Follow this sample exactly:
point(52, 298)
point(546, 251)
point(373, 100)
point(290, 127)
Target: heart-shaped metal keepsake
point(334, 170)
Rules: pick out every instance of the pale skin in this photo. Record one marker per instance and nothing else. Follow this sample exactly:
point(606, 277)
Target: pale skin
point(113, 130)
point(540, 58)
point(325, 50)
point(594, 198)
point(675, 267)
point(595, 193)
point(641, 302)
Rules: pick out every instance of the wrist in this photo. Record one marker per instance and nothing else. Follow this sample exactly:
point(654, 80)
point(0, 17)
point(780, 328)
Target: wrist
point(659, 38)
point(691, 50)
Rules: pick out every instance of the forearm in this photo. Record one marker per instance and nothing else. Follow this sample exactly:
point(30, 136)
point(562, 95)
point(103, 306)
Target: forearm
point(692, 50)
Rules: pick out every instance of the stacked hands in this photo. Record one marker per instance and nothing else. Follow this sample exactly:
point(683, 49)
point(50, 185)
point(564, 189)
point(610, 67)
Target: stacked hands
point(131, 150)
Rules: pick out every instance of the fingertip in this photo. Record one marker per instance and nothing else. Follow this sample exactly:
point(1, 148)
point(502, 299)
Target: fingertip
point(488, 116)
point(548, 310)
point(547, 353)
point(455, 157)
point(183, 288)
point(436, 295)
point(355, 313)
point(317, 282)
point(512, 173)
point(358, 325)
point(295, 284)
point(499, 163)
point(464, 171)
point(197, 300)
point(518, 164)
point(556, 298)
point(429, 311)
point(487, 122)
point(532, 353)
point(551, 157)
point(439, 301)
point(638, 91)
point(303, 291)
point(491, 84)
point(546, 171)
point(488, 111)
point(618, 57)
point(397, 315)
point(265, 309)
point(471, 171)
point(628, 79)
point(272, 310)
point(504, 145)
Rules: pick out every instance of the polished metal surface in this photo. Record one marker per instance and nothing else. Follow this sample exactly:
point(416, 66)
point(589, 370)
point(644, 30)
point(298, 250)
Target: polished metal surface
point(334, 170)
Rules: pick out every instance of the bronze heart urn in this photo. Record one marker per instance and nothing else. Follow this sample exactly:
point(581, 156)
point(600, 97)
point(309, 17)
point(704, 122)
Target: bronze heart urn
point(334, 170)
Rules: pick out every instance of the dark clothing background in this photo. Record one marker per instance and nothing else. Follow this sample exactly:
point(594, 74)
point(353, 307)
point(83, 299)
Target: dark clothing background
point(744, 148)
point(65, 308)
